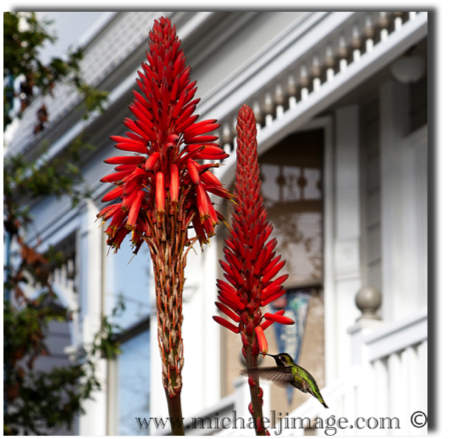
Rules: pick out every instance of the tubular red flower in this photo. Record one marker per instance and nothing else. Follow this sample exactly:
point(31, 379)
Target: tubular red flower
point(210, 178)
point(174, 184)
point(112, 195)
point(120, 139)
point(195, 130)
point(202, 202)
point(160, 193)
point(261, 340)
point(134, 210)
point(193, 172)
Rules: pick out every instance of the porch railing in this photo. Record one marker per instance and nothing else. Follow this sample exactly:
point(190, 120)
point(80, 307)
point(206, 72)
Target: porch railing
point(385, 387)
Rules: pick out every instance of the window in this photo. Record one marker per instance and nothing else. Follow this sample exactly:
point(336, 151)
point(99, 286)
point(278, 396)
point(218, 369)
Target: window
point(292, 190)
point(129, 276)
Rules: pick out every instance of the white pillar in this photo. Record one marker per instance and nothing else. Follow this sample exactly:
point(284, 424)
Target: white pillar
point(401, 167)
point(93, 422)
point(340, 309)
point(211, 330)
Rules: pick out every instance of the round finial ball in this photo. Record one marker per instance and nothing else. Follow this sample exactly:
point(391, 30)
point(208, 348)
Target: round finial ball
point(409, 69)
point(368, 300)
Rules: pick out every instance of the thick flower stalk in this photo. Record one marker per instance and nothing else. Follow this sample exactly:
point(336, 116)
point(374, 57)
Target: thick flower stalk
point(160, 189)
point(251, 263)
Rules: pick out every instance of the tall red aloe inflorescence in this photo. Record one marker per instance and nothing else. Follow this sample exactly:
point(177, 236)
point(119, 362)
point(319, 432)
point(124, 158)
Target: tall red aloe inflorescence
point(251, 264)
point(161, 189)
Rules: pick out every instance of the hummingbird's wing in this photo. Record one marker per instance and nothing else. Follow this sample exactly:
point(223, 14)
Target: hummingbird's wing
point(281, 374)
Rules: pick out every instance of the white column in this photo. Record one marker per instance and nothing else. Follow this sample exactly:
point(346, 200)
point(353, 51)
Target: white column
point(396, 255)
point(158, 403)
point(199, 292)
point(93, 422)
point(340, 309)
point(211, 330)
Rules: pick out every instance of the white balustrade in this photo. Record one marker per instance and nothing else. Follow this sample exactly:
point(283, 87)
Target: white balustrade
point(335, 57)
point(388, 380)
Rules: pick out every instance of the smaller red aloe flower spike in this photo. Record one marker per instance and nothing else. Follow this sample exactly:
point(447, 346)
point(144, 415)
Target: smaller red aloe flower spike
point(251, 266)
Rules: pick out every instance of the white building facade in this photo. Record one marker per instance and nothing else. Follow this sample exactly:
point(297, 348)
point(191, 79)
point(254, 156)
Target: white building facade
point(358, 81)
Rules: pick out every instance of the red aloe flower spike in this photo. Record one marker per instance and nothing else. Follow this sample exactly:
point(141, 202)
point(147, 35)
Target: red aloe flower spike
point(159, 190)
point(251, 262)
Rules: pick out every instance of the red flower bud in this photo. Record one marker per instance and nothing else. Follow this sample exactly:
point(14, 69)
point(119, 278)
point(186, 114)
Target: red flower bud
point(272, 297)
point(115, 193)
point(119, 139)
point(124, 160)
point(273, 272)
point(226, 324)
point(270, 290)
point(116, 176)
point(228, 312)
point(267, 323)
point(193, 172)
point(133, 147)
point(278, 319)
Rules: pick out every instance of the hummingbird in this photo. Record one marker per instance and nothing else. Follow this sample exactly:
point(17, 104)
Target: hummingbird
point(287, 371)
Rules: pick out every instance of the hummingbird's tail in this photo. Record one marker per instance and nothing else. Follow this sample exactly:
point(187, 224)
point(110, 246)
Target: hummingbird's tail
point(320, 398)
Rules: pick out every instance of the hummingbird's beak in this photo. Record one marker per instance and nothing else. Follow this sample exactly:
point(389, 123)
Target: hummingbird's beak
point(269, 355)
